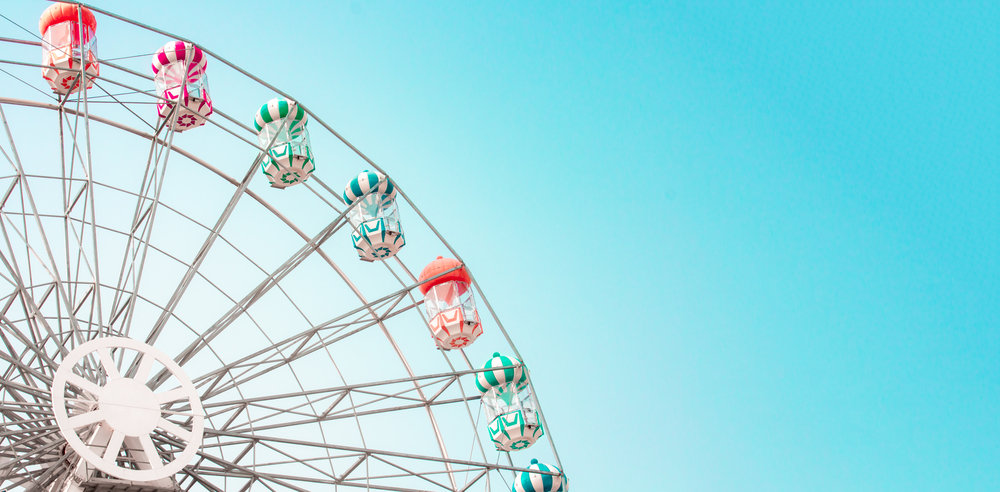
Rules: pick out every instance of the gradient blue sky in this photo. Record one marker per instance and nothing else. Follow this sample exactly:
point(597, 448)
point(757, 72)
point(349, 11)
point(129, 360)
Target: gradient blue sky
point(742, 245)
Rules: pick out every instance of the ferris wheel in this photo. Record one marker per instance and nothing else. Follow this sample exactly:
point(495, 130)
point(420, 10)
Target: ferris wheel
point(204, 288)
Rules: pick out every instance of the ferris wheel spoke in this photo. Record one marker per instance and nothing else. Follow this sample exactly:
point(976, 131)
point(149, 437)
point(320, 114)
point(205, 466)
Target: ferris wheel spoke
point(82, 199)
point(37, 478)
point(201, 480)
point(120, 103)
point(84, 384)
point(32, 311)
point(147, 204)
point(9, 280)
point(325, 392)
point(30, 464)
point(32, 410)
point(89, 170)
point(27, 372)
point(35, 392)
point(291, 410)
point(302, 344)
point(255, 294)
point(33, 453)
point(30, 439)
point(56, 285)
point(175, 429)
point(114, 446)
point(31, 318)
point(145, 366)
point(85, 419)
point(291, 458)
point(152, 455)
point(200, 257)
point(108, 363)
point(409, 472)
point(50, 265)
point(172, 396)
point(26, 424)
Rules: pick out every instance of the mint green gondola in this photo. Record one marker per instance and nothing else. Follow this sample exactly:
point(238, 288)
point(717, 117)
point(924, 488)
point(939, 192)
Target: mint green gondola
point(498, 378)
point(513, 421)
point(533, 481)
point(378, 234)
point(281, 128)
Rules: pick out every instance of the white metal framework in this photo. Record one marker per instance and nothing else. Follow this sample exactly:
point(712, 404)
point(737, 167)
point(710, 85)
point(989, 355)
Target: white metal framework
point(170, 322)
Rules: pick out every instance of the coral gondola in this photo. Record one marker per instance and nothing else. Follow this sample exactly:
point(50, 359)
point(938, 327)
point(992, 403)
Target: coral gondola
point(69, 40)
point(450, 305)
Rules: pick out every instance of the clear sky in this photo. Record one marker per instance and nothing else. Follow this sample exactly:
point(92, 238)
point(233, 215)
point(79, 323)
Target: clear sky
point(742, 245)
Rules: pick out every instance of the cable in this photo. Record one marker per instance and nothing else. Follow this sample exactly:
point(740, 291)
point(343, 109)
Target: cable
point(23, 28)
point(29, 85)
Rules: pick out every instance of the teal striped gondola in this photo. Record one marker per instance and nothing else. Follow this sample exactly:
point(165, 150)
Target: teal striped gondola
point(537, 482)
point(378, 233)
point(278, 109)
point(499, 377)
point(368, 181)
point(281, 125)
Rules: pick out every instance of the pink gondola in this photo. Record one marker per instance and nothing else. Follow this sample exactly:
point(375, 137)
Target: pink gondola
point(180, 77)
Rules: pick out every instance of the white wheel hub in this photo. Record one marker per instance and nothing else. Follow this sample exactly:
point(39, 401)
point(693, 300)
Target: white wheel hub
point(130, 407)
point(124, 411)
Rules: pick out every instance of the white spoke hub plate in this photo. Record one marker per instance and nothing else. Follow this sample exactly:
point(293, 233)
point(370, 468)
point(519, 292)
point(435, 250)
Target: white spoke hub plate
point(159, 432)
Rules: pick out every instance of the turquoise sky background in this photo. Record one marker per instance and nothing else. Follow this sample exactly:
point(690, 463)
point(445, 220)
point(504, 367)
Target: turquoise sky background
point(742, 245)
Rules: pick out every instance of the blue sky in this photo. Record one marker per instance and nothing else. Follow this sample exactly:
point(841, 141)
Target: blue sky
point(742, 245)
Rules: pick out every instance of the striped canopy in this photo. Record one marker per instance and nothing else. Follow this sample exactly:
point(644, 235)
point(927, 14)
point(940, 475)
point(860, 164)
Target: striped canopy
point(364, 182)
point(177, 51)
point(496, 377)
point(277, 109)
point(537, 482)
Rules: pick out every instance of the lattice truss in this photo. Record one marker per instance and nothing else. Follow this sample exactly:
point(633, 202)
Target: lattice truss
point(314, 371)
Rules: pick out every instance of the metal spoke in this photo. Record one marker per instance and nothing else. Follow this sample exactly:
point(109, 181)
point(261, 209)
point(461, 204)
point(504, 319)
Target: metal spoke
point(175, 429)
point(85, 385)
point(114, 445)
point(171, 396)
point(51, 267)
point(108, 363)
point(86, 419)
point(150, 450)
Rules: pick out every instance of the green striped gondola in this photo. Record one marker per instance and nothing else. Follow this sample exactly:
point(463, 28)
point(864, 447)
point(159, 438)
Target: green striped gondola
point(369, 181)
point(278, 109)
point(281, 125)
point(537, 482)
point(378, 233)
point(499, 377)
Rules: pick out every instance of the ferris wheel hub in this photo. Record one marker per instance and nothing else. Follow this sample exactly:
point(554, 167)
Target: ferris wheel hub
point(130, 407)
point(128, 413)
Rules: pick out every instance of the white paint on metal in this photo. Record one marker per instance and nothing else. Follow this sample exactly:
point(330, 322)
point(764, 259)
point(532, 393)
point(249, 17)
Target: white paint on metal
point(127, 409)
